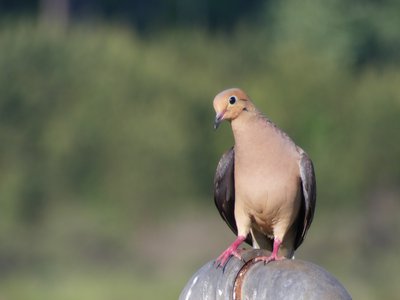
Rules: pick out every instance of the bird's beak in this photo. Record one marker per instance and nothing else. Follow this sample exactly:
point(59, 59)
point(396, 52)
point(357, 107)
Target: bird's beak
point(218, 119)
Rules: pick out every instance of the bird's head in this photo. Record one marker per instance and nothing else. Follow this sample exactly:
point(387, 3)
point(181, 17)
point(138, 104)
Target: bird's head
point(229, 104)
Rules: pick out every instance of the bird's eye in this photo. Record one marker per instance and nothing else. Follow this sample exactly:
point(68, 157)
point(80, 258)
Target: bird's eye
point(232, 99)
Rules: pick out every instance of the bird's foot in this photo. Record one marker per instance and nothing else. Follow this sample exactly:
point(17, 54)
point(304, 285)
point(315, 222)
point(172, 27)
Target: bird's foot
point(267, 259)
point(274, 254)
point(231, 251)
point(224, 257)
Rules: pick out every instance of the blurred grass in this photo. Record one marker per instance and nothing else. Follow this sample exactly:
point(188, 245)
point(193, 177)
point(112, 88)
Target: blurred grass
point(107, 150)
point(100, 284)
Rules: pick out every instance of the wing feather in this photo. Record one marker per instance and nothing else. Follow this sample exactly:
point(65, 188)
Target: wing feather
point(309, 196)
point(224, 190)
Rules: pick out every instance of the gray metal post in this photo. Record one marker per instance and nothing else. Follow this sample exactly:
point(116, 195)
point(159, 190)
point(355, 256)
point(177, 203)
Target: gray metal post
point(286, 279)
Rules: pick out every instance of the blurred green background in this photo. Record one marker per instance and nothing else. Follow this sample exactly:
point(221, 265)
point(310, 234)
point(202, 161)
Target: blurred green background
point(107, 152)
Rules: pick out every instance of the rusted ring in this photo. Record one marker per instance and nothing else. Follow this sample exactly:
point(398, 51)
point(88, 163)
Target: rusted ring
point(237, 285)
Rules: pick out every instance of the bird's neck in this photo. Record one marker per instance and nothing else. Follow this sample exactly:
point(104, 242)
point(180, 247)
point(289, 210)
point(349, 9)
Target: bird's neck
point(252, 131)
point(248, 123)
point(252, 136)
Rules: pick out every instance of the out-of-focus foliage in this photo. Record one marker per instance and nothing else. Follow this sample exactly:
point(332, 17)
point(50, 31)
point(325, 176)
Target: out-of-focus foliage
point(146, 16)
point(106, 135)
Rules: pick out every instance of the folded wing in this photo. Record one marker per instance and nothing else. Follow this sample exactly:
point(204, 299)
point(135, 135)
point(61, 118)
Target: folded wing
point(224, 190)
point(309, 195)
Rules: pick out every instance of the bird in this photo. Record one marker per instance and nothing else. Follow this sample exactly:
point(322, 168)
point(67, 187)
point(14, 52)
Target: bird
point(264, 186)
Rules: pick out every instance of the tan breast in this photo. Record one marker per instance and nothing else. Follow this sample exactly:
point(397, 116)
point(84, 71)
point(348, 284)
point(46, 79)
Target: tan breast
point(267, 179)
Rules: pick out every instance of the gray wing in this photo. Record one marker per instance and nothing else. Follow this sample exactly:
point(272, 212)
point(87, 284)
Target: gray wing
point(309, 197)
point(224, 190)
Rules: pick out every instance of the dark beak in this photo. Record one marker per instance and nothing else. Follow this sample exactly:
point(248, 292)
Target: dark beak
point(218, 119)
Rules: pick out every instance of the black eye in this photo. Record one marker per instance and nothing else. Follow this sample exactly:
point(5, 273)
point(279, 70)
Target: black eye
point(232, 99)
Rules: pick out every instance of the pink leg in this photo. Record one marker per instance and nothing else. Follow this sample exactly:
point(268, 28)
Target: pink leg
point(232, 250)
point(274, 254)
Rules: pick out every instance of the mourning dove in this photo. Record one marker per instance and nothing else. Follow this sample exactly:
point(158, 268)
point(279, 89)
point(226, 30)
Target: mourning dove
point(264, 186)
